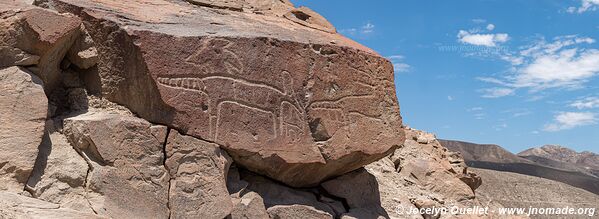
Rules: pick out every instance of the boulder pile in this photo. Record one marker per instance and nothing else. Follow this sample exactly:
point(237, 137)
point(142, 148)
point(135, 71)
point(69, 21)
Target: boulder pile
point(205, 109)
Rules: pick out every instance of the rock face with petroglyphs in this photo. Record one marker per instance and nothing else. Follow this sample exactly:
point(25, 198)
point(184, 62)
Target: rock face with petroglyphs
point(205, 109)
point(282, 93)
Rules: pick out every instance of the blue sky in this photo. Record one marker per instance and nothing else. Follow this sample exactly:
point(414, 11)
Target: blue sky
point(518, 73)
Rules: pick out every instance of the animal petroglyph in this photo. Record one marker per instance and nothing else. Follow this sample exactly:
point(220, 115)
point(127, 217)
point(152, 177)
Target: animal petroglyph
point(226, 97)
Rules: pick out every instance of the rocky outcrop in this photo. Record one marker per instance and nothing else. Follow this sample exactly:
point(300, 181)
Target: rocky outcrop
point(23, 110)
point(280, 104)
point(36, 38)
point(207, 109)
point(419, 174)
point(126, 174)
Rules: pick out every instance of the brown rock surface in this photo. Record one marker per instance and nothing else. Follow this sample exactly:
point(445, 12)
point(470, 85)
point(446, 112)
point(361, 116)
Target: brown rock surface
point(198, 170)
point(275, 194)
point(36, 37)
point(60, 173)
point(424, 160)
point(249, 206)
point(297, 212)
point(23, 110)
point(18, 206)
point(282, 98)
point(126, 175)
point(420, 171)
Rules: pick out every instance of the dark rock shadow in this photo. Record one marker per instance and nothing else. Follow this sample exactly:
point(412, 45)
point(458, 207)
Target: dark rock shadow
point(39, 168)
point(357, 193)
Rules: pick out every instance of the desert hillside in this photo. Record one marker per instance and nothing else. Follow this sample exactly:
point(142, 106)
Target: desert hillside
point(515, 190)
point(494, 157)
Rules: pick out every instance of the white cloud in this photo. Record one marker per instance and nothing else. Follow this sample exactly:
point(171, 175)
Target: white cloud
point(398, 64)
point(567, 68)
point(570, 120)
point(518, 112)
point(586, 103)
point(450, 98)
point(367, 28)
point(562, 63)
point(497, 92)
point(479, 21)
point(478, 108)
point(490, 27)
point(479, 116)
point(477, 39)
point(363, 31)
point(586, 5)
point(500, 126)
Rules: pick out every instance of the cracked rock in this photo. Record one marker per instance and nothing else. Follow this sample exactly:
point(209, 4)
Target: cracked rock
point(41, 36)
point(127, 178)
point(247, 82)
point(198, 170)
point(23, 111)
point(18, 206)
point(60, 173)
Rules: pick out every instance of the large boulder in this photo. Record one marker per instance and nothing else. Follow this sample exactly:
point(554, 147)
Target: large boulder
point(126, 176)
point(37, 38)
point(23, 111)
point(281, 92)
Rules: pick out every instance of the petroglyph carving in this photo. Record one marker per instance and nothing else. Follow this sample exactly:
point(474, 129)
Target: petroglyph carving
point(224, 94)
point(216, 55)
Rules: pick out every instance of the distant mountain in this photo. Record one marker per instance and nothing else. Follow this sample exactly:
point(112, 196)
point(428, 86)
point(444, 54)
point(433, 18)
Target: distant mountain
point(513, 190)
point(552, 155)
point(482, 152)
point(539, 163)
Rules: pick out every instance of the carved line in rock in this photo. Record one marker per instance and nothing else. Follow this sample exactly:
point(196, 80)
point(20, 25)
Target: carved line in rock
point(287, 122)
point(289, 114)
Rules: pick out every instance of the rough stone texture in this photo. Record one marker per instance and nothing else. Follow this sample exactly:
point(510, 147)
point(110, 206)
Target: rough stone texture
point(23, 110)
point(297, 212)
point(83, 54)
point(364, 196)
point(423, 159)
point(17, 206)
point(198, 170)
point(415, 173)
point(40, 37)
point(249, 206)
point(126, 175)
point(282, 98)
point(359, 213)
point(276, 194)
point(60, 173)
